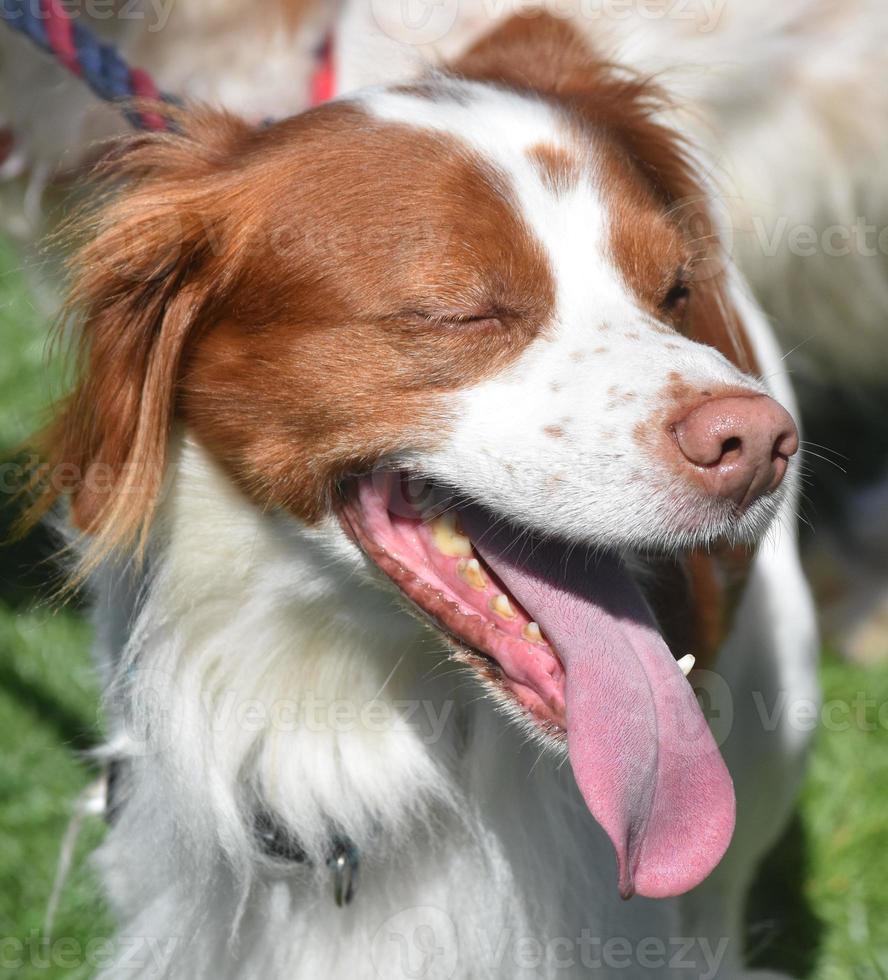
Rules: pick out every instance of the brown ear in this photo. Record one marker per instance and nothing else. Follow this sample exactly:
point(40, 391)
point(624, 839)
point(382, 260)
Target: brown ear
point(537, 52)
point(549, 57)
point(140, 290)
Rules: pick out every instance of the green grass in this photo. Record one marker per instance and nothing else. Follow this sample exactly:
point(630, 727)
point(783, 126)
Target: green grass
point(48, 707)
point(48, 696)
point(820, 909)
point(844, 806)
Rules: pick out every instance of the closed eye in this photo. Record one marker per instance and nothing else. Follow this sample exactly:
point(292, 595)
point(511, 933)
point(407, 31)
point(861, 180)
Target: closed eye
point(488, 319)
point(475, 320)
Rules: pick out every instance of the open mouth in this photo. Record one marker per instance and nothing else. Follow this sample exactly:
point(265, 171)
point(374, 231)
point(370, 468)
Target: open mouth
point(565, 633)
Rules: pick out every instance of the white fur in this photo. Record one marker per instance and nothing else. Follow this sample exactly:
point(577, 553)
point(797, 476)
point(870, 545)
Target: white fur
point(479, 859)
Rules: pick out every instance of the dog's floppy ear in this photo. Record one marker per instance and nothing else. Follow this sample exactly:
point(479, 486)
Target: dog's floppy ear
point(549, 57)
point(151, 264)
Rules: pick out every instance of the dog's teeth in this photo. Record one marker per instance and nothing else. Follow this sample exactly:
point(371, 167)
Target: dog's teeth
point(502, 607)
point(532, 632)
point(687, 663)
point(448, 537)
point(471, 572)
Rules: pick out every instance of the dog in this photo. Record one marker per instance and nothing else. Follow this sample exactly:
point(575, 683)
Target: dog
point(760, 89)
point(427, 455)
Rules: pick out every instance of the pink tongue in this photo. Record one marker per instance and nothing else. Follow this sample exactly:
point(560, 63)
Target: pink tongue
point(641, 751)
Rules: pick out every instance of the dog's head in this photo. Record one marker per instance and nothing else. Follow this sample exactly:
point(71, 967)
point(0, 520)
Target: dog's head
point(480, 324)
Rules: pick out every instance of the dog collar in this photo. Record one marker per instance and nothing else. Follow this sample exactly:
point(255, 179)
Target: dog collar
point(343, 858)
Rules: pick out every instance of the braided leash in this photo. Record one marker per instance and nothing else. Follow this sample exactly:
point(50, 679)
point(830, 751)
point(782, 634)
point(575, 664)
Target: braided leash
point(51, 28)
point(48, 24)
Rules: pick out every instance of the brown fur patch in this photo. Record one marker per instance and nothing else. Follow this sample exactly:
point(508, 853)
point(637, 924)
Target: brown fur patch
point(559, 169)
point(296, 295)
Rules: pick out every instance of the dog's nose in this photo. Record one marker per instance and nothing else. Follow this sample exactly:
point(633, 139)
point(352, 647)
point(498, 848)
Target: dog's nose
point(739, 446)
